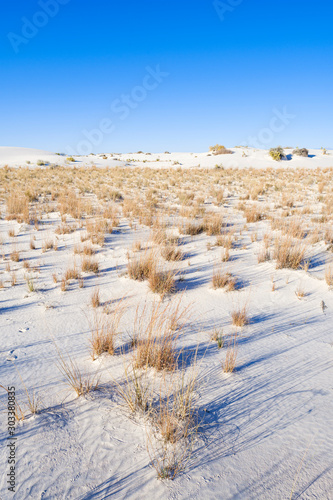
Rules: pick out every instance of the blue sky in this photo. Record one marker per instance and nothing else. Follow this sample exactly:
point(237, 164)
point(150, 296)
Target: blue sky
point(165, 75)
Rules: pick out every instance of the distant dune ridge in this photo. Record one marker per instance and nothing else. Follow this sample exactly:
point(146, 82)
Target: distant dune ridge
point(241, 157)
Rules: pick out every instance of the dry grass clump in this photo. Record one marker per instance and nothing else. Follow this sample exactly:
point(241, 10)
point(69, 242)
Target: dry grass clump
point(240, 316)
point(225, 240)
point(264, 255)
point(294, 229)
point(97, 229)
point(157, 351)
point(65, 229)
point(70, 204)
point(75, 378)
point(156, 331)
point(32, 244)
point(162, 282)
point(89, 265)
point(18, 411)
point(15, 255)
point(329, 275)
point(213, 224)
point(225, 255)
point(172, 253)
point(253, 214)
point(174, 424)
point(223, 279)
point(231, 356)
point(289, 253)
point(17, 207)
point(218, 337)
point(300, 292)
point(85, 250)
point(63, 286)
point(72, 273)
point(142, 267)
point(13, 278)
point(104, 330)
point(136, 391)
point(95, 298)
point(49, 244)
point(193, 228)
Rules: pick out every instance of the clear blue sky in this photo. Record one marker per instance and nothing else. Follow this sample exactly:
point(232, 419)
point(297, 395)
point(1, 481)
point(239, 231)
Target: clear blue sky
point(85, 66)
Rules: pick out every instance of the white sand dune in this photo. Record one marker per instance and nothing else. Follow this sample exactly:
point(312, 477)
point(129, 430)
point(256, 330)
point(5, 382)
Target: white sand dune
point(241, 158)
point(267, 429)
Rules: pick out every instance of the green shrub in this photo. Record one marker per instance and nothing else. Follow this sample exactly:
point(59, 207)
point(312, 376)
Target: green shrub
point(277, 153)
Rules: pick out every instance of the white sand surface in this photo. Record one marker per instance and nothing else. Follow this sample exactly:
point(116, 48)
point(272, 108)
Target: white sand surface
point(267, 428)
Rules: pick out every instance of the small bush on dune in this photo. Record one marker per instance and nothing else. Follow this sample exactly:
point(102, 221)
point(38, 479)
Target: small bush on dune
point(301, 152)
point(220, 150)
point(277, 153)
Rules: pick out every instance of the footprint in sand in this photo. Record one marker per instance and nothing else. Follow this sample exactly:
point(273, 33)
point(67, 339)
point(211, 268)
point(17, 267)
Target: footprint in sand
point(11, 356)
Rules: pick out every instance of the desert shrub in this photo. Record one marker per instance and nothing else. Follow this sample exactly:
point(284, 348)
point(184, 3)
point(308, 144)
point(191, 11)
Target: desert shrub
point(301, 152)
point(220, 150)
point(277, 153)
